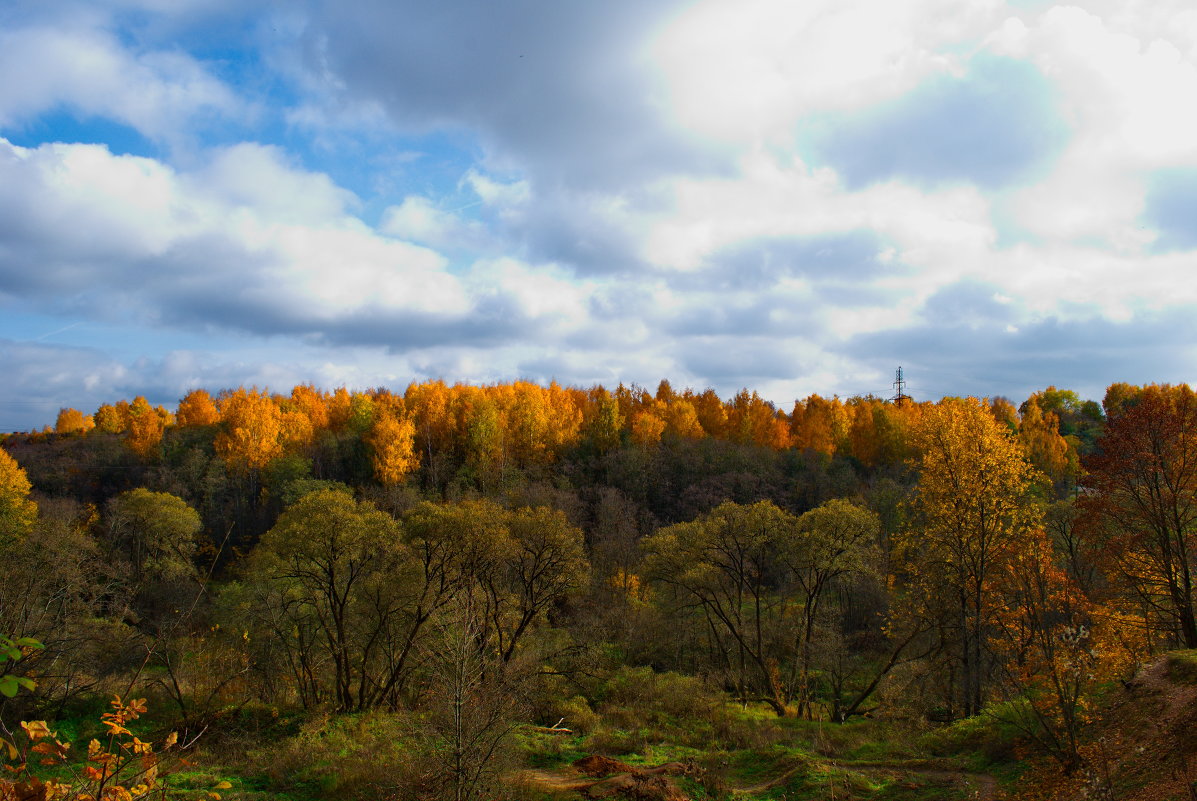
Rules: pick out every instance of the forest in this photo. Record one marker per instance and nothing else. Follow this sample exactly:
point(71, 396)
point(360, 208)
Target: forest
point(519, 591)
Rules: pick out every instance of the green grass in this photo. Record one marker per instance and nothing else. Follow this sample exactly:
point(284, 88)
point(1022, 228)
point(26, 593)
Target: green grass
point(540, 750)
point(1182, 667)
point(645, 720)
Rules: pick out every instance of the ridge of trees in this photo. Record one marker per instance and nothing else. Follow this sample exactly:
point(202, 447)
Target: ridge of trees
point(823, 560)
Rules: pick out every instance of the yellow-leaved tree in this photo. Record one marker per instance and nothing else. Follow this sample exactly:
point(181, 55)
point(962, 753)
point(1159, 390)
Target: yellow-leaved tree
point(392, 441)
point(972, 512)
point(72, 421)
point(17, 512)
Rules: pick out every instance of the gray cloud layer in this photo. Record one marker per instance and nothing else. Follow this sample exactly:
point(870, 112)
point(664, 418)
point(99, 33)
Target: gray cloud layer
point(558, 206)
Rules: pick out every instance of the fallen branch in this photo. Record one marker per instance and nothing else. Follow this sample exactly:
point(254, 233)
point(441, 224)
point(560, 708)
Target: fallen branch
point(556, 728)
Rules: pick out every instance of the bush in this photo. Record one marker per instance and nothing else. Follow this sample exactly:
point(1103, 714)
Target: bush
point(372, 756)
point(659, 697)
point(576, 713)
point(639, 707)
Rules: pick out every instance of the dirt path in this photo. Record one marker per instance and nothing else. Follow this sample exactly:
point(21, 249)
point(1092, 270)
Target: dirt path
point(554, 780)
point(1177, 698)
point(983, 787)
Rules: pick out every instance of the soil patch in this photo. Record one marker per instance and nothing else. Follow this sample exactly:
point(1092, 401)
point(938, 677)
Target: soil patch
point(599, 766)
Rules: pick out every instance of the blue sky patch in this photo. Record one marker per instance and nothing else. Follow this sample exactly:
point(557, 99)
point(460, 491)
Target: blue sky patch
point(994, 127)
point(65, 126)
point(1171, 208)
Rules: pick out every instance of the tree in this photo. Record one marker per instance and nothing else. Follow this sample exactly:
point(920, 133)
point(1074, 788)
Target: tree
point(726, 564)
point(603, 422)
point(155, 532)
point(1142, 501)
point(312, 402)
point(473, 701)
point(153, 540)
point(56, 585)
point(72, 421)
point(972, 509)
point(481, 427)
point(145, 427)
point(751, 420)
point(112, 419)
point(835, 540)
point(1047, 450)
point(819, 424)
point(711, 413)
point(682, 420)
point(518, 564)
point(1056, 648)
point(429, 407)
point(549, 565)
point(392, 442)
point(197, 409)
point(339, 584)
point(17, 512)
point(251, 430)
point(647, 428)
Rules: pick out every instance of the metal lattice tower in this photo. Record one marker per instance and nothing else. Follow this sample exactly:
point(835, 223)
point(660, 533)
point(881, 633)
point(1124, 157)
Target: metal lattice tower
point(900, 395)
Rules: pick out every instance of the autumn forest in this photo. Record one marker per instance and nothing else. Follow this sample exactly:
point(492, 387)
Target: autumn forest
point(460, 591)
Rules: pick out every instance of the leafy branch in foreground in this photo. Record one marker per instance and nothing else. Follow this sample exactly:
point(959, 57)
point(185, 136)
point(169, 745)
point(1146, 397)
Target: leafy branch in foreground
point(13, 650)
point(121, 769)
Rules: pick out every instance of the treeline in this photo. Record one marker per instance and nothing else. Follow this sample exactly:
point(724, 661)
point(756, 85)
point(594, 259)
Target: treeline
point(454, 544)
point(439, 430)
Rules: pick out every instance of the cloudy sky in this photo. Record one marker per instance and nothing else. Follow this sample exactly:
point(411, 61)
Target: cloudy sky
point(794, 196)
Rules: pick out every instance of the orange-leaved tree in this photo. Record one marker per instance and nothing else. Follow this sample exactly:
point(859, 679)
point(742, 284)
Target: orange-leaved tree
point(146, 425)
point(1142, 501)
point(1057, 648)
point(197, 409)
point(251, 429)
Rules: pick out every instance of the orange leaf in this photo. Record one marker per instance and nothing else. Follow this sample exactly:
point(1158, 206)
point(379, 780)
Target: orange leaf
point(115, 728)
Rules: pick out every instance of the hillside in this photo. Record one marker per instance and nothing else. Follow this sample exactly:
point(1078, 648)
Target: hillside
point(1142, 745)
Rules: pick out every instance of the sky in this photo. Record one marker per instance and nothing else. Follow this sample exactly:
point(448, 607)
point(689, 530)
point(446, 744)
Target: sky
point(791, 196)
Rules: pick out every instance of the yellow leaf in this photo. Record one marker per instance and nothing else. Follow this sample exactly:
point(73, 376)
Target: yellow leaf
point(223, 786)
point(171, 739)
point(36, 729)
